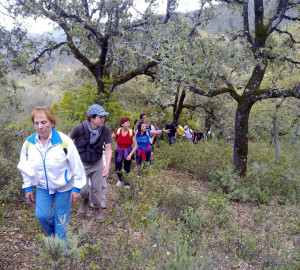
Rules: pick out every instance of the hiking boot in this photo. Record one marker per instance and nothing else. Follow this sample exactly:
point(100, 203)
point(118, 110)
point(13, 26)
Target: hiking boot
point(98, 215)
point(119, 183)
point(103, 205)
point(84, 207)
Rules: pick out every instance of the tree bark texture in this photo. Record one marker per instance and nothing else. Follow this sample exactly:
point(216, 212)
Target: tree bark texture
point(240, 151)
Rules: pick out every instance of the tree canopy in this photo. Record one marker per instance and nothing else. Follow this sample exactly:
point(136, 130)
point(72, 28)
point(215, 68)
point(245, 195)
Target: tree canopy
point(102, 35)
point(256, 60)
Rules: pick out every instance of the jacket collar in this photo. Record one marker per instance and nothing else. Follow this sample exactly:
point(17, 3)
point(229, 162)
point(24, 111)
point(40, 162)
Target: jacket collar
point(55, 138)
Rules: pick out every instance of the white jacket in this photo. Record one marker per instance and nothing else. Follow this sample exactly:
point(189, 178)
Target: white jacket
point(54, 169)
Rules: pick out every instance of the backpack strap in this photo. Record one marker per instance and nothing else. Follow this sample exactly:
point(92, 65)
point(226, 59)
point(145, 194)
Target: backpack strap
point(118, 133)
point(86, 131)
point(63, 144)
point(27, 146)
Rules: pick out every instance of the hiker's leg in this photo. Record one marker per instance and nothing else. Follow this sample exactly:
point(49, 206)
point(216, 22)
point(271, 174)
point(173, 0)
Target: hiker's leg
point(62, 209)
point(98, 184)
point(44, 210)
point(85, 191)
point(118, 167)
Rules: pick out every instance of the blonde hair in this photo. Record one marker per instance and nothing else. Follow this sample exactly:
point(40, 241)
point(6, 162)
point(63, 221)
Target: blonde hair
point(147, 121)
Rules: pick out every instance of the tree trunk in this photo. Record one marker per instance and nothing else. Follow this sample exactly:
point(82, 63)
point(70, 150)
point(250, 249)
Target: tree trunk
point(178, 105)
point(274, 132)
point(240, 151)
point(276, 137)
point(296, 133)
point(208, 122)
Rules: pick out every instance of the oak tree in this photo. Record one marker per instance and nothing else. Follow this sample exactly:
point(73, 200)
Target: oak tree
point(257, 41)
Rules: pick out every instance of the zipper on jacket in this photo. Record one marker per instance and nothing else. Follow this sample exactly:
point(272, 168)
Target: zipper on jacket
point(44, 164)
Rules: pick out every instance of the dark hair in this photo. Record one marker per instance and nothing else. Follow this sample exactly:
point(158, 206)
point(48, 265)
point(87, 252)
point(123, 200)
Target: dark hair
point(140, 127)
point(176, 124)
point(135, 121)
point(47, 110)
point(93, 116)
point(141, 116)
point(123, 120)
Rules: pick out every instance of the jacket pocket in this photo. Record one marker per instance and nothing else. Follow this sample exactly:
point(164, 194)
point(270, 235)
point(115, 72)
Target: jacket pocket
point(66, 176)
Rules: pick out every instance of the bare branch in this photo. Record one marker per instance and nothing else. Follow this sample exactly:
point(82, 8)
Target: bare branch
point(36, 60)
point(136, 72)
point(292, 61)
point(247, 34)
point(287, 33)
point(230, 89)
point(86, 8)
point(198, 18)
point(293, 4)
point(169, 10)
point(277, 18)
point(291, 18)
point(215, 92)
point(261, 94)
point(78, 55)
point(233, 1)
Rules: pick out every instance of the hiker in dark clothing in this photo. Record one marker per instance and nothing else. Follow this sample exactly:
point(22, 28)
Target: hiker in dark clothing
point(171, 135)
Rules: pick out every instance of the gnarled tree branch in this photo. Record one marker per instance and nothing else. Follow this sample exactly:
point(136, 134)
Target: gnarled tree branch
point(136, 72)
point(276, 92)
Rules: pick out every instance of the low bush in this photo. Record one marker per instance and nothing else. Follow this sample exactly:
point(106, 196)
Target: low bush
point(198, 159)
point(266, 178)
point(11, 140)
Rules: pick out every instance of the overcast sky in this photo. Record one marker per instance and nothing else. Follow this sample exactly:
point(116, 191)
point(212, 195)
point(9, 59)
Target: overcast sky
point(41, 26)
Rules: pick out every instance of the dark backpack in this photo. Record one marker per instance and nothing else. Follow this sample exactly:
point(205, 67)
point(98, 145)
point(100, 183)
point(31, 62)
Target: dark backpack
point(91, 152)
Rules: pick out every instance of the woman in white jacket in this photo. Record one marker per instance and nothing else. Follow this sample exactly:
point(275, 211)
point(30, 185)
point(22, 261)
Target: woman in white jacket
point(49, 160)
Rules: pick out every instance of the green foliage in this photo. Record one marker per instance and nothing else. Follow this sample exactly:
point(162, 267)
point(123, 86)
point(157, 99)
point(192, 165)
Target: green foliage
point(198, 159)
point(10, 179)
point(266, 177)
point(56, 254)
point(72, 109)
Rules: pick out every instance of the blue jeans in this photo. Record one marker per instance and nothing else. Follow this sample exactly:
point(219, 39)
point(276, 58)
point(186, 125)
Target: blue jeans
point(171, 139)
point(50, 216)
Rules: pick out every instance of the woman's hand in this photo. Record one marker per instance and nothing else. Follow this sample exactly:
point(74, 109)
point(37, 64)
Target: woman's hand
point(75, 197)
point(129, 157)
point(29, 197)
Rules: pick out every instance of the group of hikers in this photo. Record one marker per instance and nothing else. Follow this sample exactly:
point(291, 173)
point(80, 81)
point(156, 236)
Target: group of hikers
point(63, 171)
point(185, 133)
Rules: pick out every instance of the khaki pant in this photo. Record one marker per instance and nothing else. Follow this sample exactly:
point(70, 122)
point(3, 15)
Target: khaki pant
point(96, 184)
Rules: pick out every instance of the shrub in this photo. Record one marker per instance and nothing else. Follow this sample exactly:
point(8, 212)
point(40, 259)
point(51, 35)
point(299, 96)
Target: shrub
point(198, 159)
point(262, 182)
point(11, 140)
point(212, 160)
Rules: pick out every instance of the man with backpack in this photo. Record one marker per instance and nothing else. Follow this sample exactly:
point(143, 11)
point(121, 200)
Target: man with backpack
point(90, 136)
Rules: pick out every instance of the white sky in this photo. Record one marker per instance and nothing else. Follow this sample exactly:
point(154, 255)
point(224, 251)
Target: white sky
point(41, 25)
